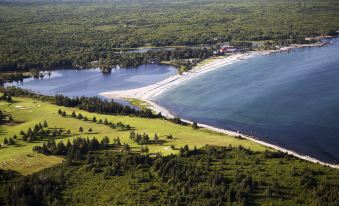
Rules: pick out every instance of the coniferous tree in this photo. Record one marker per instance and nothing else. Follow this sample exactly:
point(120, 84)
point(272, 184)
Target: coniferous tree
point(80, 116)
point(11, 141)
point(59, 111)
point(118, 143)
point(146, 150)
point(127, 148)
point(45, 124)
point(73, 114)
point(69, 157)
point(44, 148)
point(5, 141)
point(81, 130)
point(105, 141)
point(94, 119)
point(68, 145)
point(60, 149)
point(156, 138)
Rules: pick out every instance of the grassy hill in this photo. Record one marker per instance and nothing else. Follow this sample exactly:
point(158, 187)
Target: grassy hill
point(27, 113)
point(230, 171)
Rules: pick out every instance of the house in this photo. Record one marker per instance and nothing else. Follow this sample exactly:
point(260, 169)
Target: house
point(227, 49)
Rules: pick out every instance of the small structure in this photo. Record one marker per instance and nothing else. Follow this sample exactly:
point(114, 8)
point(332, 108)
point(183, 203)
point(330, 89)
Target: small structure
point(226, 48)
point(153, 61)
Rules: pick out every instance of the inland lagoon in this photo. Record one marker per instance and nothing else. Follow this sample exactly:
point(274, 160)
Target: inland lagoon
point(91, 82)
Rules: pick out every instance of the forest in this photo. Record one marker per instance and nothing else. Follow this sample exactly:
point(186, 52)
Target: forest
point(48, 34)
point(207, 176)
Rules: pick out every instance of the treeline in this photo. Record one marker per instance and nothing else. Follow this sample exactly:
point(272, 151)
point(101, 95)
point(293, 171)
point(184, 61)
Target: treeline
point(112, 125)
point(79, 147)
point(106, 60)
point(144, 139)
point(98, 105)
point(90, 104)
point(208, 176)
point(39, 132)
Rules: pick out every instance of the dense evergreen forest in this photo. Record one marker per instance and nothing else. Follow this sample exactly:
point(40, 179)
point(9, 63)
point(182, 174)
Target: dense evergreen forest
point(46, 34)
point(208, 176)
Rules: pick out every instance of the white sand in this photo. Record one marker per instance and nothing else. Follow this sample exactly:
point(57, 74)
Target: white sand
point(147, 94)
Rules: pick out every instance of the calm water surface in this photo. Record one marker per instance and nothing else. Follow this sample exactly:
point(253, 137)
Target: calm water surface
point(92, 82)
point(288, 99)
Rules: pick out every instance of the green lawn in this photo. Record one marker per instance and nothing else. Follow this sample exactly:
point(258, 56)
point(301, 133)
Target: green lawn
point(28, 112)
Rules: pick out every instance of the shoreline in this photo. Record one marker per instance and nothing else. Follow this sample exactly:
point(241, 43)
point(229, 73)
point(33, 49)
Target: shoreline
point(147, 93)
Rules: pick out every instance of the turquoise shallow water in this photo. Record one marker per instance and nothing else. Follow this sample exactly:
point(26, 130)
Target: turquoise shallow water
point(288, 99)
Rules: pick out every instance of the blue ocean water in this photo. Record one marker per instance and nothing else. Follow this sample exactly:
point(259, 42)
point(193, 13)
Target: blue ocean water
point(288, 99)
point(91, 82)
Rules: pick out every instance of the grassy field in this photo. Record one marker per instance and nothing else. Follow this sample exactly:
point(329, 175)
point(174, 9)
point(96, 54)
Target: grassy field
point(210, 176)
point(27, 112)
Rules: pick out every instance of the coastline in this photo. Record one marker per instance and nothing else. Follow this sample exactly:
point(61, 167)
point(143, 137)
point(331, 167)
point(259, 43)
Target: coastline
point(146, 94)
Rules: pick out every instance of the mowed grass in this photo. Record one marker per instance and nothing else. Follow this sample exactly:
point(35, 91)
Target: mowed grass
point(28, 112)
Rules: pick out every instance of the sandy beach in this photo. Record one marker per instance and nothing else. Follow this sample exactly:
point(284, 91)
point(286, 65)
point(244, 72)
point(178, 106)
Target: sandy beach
point(148, 93)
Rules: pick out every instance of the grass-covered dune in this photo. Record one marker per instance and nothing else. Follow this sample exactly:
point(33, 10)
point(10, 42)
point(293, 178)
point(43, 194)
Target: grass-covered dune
point(26, 113)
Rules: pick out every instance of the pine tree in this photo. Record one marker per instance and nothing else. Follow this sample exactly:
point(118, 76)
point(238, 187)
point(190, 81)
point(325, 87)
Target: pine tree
point(146, 150)
point(81, 130)
point(44, 148)
point(5, 141)
point(127, 148)
point(64, 114)
point(90, 130)
point(118, 143)
point(60, 149)
point(85, 118)
point(94, 119)
point(45, 124)
point(73, 114)
point(156, 138)
point(69, 157)
point(80, 116)
point(105, 141)
point(59, 111)
point(68, 145)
